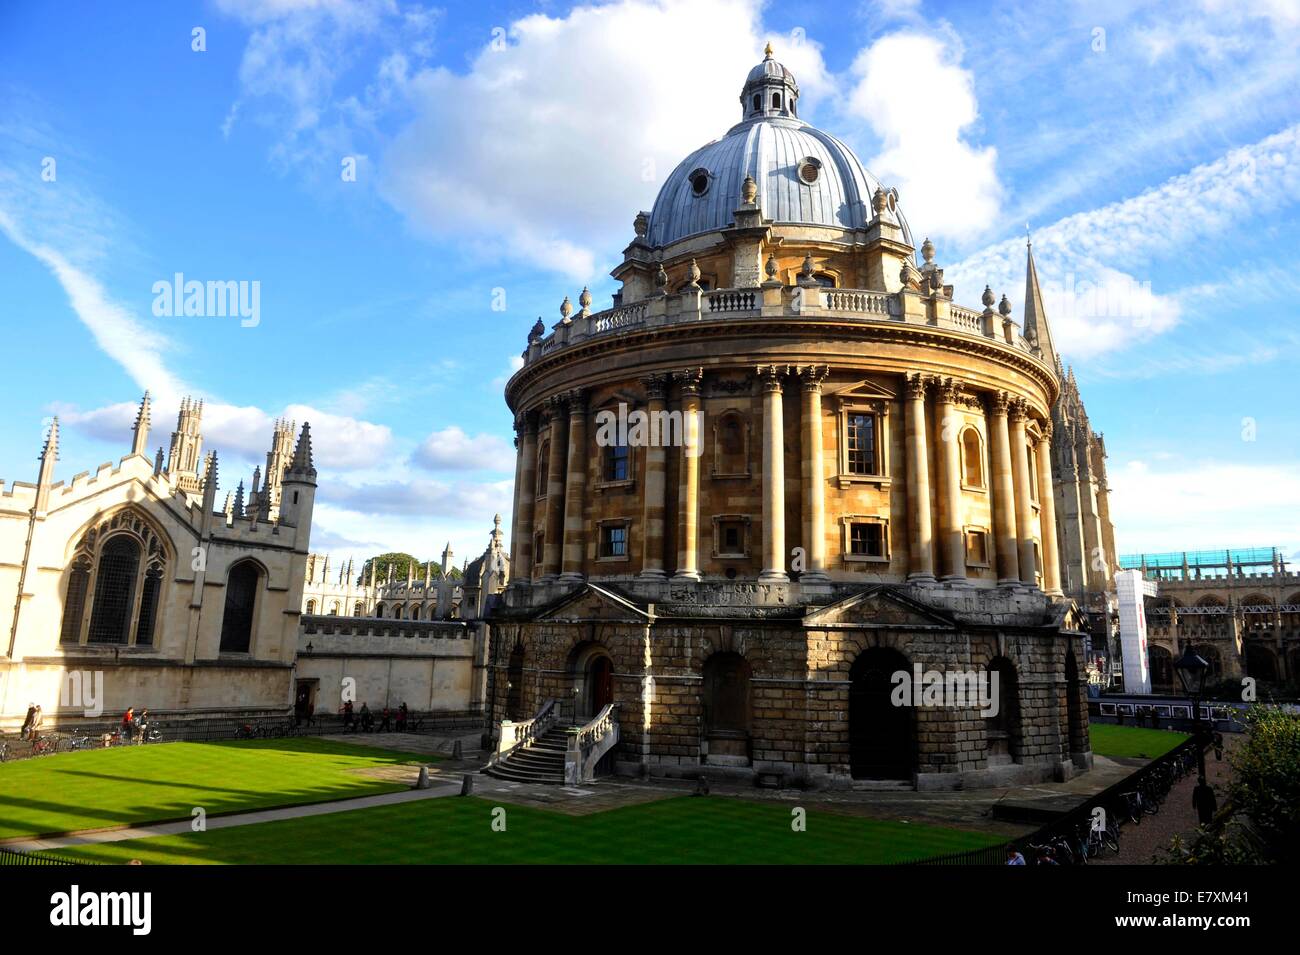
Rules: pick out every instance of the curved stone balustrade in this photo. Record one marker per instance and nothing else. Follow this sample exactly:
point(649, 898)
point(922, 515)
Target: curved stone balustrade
point(515, 735)
point(588, 745)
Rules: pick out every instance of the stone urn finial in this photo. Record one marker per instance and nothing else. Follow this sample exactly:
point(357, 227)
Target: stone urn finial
point(748, 191)
point(693, 274)
point(988, 297)
point(879, 200)
point(927, 251)
point(539, 329)
point(566, 309)
point(770, 267)
point(1004, 307)
point(807, 270)
point(661, 279)
point(585, 298)
point(641, 224)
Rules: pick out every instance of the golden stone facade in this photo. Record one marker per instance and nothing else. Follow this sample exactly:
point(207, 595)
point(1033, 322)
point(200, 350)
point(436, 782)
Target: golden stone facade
point(850, 465)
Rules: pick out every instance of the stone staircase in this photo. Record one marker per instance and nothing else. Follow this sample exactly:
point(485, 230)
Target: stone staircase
point(542, 762)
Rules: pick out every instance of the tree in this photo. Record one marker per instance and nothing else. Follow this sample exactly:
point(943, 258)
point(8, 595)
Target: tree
point(400, 562)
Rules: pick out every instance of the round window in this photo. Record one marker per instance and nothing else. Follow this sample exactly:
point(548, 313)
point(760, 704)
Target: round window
point(810, 170)
point(699, 180)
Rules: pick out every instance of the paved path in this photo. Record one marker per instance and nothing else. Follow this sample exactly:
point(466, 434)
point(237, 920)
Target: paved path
point(1177, 816)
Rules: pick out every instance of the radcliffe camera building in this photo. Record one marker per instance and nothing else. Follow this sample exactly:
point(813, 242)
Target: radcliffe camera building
point(866, 484)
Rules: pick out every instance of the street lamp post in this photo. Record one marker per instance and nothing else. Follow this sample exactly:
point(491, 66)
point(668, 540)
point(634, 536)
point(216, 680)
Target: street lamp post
point(1192, 671)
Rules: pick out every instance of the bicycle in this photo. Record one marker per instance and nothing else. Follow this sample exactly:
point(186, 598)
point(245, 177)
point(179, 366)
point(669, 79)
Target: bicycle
point(149, 733)
point(44, 745)
point(74, 743)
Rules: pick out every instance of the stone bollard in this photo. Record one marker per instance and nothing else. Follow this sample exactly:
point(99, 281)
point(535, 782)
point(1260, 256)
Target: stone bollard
point(423, 781)
point(456, 751)
point(701, 785)
point(467, 785)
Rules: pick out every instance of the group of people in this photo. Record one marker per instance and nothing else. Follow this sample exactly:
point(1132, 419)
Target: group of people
point(133, 724)
point(364, 719)
point(32, 724)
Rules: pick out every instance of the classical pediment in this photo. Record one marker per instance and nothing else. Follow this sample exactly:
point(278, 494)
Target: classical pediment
point(591, 602)
point(879, 607)
point(863, 391)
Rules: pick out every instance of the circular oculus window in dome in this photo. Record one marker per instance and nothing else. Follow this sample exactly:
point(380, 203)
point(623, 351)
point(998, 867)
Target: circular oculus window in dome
point(810, 169)
point(699, 180)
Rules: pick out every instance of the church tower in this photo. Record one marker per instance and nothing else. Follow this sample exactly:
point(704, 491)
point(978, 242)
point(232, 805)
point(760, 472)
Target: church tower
point(187, 446)
point(277, 460)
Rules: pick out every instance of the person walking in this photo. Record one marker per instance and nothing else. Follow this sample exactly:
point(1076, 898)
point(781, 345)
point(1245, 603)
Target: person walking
point(29, 721)
point(128, 724)
point(367, 719)
point(401, 717)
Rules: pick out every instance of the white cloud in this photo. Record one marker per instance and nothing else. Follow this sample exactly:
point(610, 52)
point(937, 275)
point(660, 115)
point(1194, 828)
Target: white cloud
point(1104, 247)
point(920, 101)
point(420, 497)
point(451, 449)
point(546, 149)
point(1214, 504)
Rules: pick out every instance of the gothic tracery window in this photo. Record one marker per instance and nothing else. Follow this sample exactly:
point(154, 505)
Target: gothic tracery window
point(114, 589)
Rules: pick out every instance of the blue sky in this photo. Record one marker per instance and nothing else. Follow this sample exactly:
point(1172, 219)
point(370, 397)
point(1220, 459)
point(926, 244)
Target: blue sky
point(501, 152)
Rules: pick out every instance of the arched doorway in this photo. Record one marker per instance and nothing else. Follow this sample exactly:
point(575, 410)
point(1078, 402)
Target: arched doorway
point(1073, 704)
point(1161, 662)
point(881, 736)
point(1002, 729)
point(727, 710)
point(593, 680)
point(242, 586)
point(515, 684)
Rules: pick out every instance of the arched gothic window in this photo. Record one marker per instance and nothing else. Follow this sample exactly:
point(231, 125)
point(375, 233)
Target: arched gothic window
point(118, 566)
point(972, 458)
point(242, 585)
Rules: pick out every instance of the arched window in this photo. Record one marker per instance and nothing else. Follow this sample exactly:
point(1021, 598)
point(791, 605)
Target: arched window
point(358, 609)
point(397, 612)
point(972, 458)
point(334, 609)
point(824, 279)
point(242, 584)
point(415, 612)
point(758, 101)
point(115, 586)
point(311, 606)
point(543, 465)
point(74, 603)
point(119, 566)
point(776, 100)
point(1002, 729)
point(379, 610)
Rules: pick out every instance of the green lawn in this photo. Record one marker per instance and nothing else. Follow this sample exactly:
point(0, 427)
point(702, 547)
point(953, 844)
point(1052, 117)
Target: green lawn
point(133, 784)
point(682, 829)
point(1111, 740)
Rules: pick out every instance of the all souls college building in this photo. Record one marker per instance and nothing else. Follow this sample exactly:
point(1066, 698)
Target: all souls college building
point(865, 485)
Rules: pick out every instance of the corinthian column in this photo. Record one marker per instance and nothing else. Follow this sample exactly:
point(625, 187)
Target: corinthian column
point(521, 529)
point(1004, 497)
point(654, 485)
point(1024, 492)
point(773, 477)
point(1047, 514)
point(688, 489)
point(553, 547)
point(920, 550)
point(953, 537)
point(812, 472)
point(575, 523)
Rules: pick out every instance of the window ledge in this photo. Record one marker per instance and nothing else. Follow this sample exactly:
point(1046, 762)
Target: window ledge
point(864, 559)
point(730, 475)
point(614, 560)
point(626, 482)
point(880, 480)
point(977, 488)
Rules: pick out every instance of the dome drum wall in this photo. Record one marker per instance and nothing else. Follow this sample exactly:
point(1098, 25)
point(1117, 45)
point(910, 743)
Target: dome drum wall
point(784, 417)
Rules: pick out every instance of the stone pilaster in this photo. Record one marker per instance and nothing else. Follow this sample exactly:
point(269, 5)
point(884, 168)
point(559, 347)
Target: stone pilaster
point(1024, 493)
point(773, 476)
point(1047, 514)
point(688, 493)
point(521, 530)
point(1003, 488)
point(654, 486)
point(920, 541)
point(553, 545)
point(952, 535)
point(575, 525)
point(813, 474)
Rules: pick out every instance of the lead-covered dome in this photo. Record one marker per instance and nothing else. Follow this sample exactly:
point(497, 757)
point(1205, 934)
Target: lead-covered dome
point(804, 176)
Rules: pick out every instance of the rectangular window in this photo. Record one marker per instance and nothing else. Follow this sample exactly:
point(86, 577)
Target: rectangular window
point(616, 461)
point(731, 537)
point(867, 540)
point(861, 443)
point(977, 549)
point(613, 541)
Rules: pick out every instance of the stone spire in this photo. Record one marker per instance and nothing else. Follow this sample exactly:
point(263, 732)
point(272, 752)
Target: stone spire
point(185, 458)
point(446, 560)
point(302, 461)
point(49, 454)
point(210, 484)
point(277, 461)
point(140, 431)
point(239, 501)
point(1035, 324)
